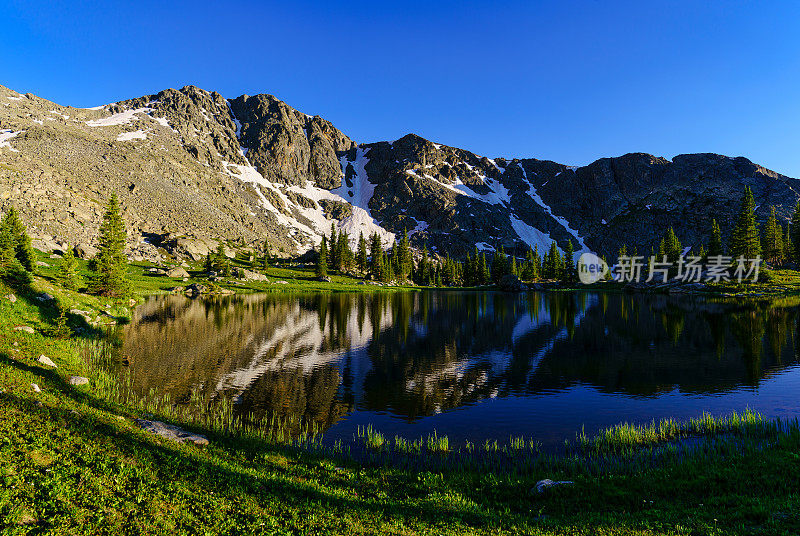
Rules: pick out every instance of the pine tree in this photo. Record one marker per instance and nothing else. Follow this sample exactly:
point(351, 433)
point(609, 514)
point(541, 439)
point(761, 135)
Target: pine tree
point(221, 263)
point(404, 259)
point(670, 246)
point(345, 254)
point(267, 256)
point(553, 263)
point(377, 254)
point(715, 243)
point(500, 265)
point(570, 274)
point(322, 262)
point(68, 276)
point(420, 273)
point(23, 250)
point(788, 246)
point(333, 252)
point(773, 239)
point(486, 273)
point(362, 259)
point(11, 269)
point(110, 264)
point(744, 239)
point(794, 234)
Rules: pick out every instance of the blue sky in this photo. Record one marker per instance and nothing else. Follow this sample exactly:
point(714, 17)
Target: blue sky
point(566, 81)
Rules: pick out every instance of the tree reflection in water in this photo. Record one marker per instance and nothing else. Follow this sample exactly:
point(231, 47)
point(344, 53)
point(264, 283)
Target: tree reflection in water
point(415, 354)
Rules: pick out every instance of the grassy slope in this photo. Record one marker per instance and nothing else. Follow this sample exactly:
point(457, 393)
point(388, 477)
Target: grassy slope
point(71, 462)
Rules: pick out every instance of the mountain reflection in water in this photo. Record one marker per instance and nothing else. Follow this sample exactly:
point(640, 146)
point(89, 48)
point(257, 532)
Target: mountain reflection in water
point(472, 365)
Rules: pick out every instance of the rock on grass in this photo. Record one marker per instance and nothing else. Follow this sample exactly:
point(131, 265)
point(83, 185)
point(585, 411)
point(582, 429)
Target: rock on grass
point(171, 432)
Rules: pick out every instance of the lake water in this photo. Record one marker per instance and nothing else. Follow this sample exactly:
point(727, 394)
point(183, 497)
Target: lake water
point(470, 365)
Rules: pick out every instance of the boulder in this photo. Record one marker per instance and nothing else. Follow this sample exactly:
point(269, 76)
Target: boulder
point(195, 289)
point(85, 251)
point(26, 329)
point(194, 248)
point(11, 298)
point(44, 296)
point(178, 272)
point(36, 388)
point(324, 279)
point(511, 283)
point(46, 361)
point(546, 484)
point(78, 380)
point(251, 276)
point(171, 432)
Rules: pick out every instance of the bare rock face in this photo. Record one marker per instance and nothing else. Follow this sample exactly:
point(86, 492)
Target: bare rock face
point(288, 146)
point(193, 169)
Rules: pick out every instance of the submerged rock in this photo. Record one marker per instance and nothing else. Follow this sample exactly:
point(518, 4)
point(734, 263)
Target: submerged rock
point(171, 432)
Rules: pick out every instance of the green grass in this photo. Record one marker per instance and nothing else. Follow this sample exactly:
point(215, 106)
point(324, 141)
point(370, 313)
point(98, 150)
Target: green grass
point(72, 461)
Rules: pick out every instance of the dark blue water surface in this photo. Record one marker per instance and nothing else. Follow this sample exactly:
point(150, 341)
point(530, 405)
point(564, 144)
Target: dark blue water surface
point(470, 365)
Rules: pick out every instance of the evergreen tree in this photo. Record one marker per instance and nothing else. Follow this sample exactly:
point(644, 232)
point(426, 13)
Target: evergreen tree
point(552, 267)
point(361, 259)
point(570, 274)
point(377, 254)
point(744, 239)
point(405, 262)
point(702, 253)
point(68, 276)
point(773, 239)
point(670, 246)
point(20, 241)
point(334, 259)
point(500, 265)
point(486, 274)
point(715, 243)
point(387, 268)
point(110, 264)
point(322, 261)
point(11, 269)
point(222, 264)
point(345, 255)
point(794, 233)
point(267, 256)
point(788, 246)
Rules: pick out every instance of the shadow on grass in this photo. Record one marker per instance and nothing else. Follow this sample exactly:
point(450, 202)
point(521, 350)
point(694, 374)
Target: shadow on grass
point(230, 468)
point(49, 310)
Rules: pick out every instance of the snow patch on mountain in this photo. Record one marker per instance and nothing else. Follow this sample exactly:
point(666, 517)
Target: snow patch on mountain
point(564, 223)
point(120, 118)
point(529, 234)
point(130, 136)
point(6, 136)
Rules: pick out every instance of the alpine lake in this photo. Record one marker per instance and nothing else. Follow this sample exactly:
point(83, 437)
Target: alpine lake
point(471, 365)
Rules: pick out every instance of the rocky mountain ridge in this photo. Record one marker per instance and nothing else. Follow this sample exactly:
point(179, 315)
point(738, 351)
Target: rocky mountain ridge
point(192, 167)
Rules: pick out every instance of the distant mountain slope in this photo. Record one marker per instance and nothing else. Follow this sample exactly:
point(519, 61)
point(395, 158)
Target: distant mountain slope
point(192, 167)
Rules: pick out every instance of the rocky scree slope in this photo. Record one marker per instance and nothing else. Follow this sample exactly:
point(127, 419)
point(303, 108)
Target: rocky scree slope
point(191, 168)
